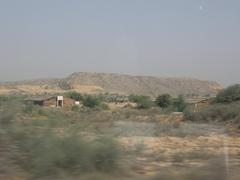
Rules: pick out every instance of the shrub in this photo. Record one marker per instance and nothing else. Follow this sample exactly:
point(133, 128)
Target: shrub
point(143, 102)
point(164, 100)
point(28, 108)
point(105, 153)
point(41, 112)
point(31, 108)
point(75, 95)
point(75, 108)
point(189, 115)
point(179, 103)
point(104, 106)
point(6, 118)
point(91, 101)
point(229, 94)
point(3, 99)
point(215, 112)
point(44, 153)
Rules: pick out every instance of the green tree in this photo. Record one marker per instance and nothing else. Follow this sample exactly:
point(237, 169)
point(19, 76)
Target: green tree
point(91, 101)
point(164, 100)
point(75, 95)
point(228, 95)
point(179, 103)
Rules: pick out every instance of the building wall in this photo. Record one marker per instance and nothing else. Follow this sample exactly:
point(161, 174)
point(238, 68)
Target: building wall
point(50, 102)
point(68, 102)
point(40, 103)
point(203, 104)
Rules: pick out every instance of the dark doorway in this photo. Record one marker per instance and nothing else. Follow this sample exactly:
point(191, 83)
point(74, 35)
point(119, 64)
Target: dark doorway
point(60, 103)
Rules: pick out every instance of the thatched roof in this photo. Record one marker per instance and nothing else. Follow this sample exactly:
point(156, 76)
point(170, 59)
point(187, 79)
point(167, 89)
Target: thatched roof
point(39, 98)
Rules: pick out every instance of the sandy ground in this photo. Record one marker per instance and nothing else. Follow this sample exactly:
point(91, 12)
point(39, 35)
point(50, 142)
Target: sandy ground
point(150, 154)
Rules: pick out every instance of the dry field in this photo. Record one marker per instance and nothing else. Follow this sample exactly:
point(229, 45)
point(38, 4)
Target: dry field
point(153, 146)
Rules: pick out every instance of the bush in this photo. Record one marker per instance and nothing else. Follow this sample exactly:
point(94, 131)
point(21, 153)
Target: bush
point(229, 94)
point(91, 101)
point(28, 108)
point(105, 153)
point(75, 108)
point(164, 100)
point(44, 153)
point(216, 112)
point(188, 115)
point(6, 118)
point(3, 99)
point(104, 106)
point(179, 103)
point(31, 108)
point(75, 95)
point(143, 102)
point(48, 153)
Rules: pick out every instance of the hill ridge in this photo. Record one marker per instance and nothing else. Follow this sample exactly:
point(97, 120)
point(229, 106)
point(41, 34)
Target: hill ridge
point(94, 82)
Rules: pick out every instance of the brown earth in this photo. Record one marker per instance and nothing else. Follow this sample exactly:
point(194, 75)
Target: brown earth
point(113, 83)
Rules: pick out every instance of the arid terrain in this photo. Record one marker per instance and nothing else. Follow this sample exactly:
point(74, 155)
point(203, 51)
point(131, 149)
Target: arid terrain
point(152, 145)
point(119, 90)
point(113, 83)
point(115, 136)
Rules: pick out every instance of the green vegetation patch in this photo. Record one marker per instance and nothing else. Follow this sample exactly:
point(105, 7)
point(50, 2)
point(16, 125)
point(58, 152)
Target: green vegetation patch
point(45, 152)
point(228, 95)
point(143, 102)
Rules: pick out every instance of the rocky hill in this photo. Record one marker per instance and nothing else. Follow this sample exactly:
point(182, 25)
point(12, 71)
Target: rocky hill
point(113, 83)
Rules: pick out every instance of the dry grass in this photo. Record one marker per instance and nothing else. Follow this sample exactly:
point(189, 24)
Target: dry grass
point(152, 149)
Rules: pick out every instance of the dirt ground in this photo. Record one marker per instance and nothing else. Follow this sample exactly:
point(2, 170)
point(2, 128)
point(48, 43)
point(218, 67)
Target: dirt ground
point(180, 149)
point(155, 148)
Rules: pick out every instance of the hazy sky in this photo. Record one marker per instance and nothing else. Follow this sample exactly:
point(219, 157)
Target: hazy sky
point(183, 38)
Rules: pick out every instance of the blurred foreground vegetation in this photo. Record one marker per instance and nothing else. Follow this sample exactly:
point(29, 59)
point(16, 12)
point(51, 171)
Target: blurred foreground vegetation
point(46, 143)
point(83, 142)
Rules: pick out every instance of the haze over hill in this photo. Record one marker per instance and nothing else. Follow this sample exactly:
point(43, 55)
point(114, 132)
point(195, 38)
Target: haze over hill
point(86, 82)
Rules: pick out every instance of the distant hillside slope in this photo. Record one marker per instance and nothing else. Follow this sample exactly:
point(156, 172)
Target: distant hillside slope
point(116, 83)
point(147, 85)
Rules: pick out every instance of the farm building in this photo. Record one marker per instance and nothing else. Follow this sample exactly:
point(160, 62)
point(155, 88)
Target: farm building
point(203, 103)
point(198, 104)
point(51, 101)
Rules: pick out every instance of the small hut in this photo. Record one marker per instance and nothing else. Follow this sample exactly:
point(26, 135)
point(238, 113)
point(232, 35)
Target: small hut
point(198, 104)
point(51, 101)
